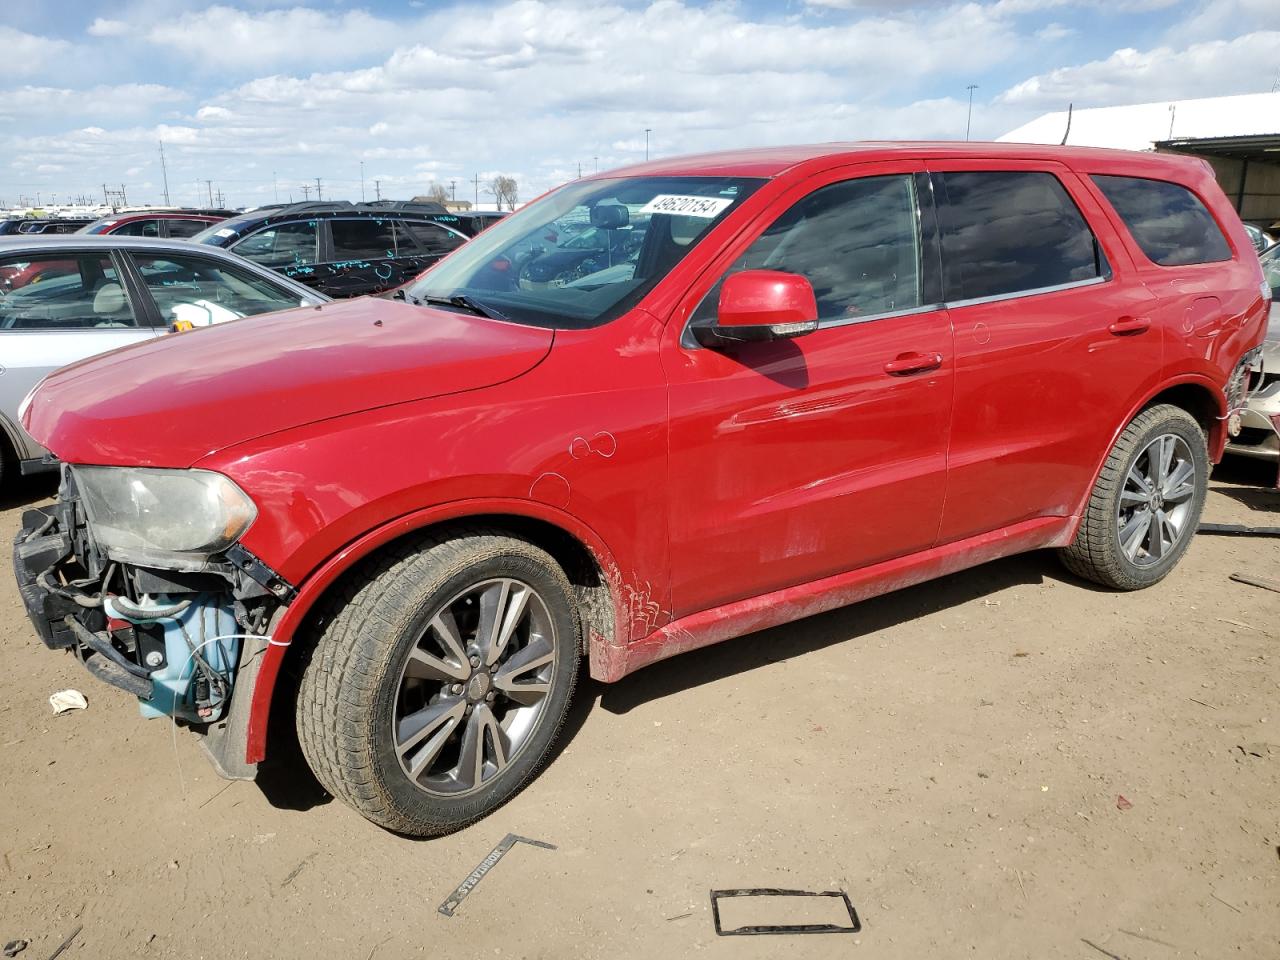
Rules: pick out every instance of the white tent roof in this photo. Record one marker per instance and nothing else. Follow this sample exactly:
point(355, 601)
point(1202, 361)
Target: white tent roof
point(1140, 126)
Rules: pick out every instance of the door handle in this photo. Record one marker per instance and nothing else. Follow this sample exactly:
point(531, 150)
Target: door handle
point(909, 363)
point(1127, 326)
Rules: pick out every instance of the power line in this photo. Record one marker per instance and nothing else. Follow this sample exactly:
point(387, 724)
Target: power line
point(164, 171)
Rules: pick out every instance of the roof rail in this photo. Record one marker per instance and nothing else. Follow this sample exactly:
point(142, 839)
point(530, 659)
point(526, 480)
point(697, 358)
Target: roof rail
point(407, 206)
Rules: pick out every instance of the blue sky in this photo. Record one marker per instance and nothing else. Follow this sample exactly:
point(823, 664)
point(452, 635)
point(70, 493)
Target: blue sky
point(261, 97)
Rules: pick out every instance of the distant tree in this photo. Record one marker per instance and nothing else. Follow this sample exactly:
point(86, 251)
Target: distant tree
point(437, 193)
point(505, 191)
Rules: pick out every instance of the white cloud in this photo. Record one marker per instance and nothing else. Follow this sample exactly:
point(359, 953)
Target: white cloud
point(102, 27)
point(26, 54)
point(263, 39)
point(1134, 76)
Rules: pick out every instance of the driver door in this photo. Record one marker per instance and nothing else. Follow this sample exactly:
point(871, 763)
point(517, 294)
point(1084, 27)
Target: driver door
point(793, 460)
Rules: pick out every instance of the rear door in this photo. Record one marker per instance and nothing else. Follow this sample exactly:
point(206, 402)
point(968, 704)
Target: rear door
point(58, 308)
point(364, 256)
point(1053, 339)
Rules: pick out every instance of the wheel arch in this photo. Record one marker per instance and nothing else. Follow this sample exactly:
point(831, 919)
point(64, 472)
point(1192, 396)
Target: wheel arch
point(584, 557)
point(1198, 395)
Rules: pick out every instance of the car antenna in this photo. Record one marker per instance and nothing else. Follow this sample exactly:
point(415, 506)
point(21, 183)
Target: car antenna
point(1066, 133)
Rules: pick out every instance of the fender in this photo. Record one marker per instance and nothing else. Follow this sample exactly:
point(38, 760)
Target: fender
point(314, 587)
point(1217, 438)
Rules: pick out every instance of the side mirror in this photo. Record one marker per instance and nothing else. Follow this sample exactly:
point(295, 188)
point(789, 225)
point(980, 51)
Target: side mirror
point(761, 305)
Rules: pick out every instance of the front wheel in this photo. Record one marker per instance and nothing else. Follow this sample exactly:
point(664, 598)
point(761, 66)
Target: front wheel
point(1146, 505)
point(440, 680)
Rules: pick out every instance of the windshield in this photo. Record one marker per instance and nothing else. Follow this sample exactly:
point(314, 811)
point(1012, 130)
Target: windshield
point(587, 252)
point(221, 234)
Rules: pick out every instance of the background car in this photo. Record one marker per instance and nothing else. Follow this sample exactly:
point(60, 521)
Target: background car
point(41, 226)
point(176, 224)
point(66, 298)
point(1261, 239)
point(340, 249)
point(1260, 421)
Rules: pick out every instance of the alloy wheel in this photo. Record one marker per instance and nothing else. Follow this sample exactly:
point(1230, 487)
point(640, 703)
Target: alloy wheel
point(474, 686)
point(1156, 500)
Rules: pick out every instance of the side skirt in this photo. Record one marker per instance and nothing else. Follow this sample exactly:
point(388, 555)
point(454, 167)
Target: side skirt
point(613, 662)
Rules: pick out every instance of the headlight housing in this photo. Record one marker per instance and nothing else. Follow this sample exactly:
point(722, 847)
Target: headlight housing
point(163, 518)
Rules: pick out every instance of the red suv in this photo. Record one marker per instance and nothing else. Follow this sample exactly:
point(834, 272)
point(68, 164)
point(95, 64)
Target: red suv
point(173, 224)
point(810, 375)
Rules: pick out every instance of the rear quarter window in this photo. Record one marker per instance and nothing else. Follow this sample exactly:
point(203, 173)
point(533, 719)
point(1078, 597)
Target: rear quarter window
point(1167, 220)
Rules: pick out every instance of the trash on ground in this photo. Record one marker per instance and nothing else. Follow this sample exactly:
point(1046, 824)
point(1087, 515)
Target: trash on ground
point(808, 906)
point(1266, 583)
point(485, 865)
point(65, 700)
point(14, 947)
point(1238, 530)
point(1122, 803)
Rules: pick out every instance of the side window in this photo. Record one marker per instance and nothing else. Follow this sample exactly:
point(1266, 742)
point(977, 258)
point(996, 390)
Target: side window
point(186, 228)
point(1006, 232)
point(434, 239)
point(280, 246)
point(368, 239)
point(138, 228)
point(204, 292)
point(62, 292)
point(857, 242)
point(1168, 221)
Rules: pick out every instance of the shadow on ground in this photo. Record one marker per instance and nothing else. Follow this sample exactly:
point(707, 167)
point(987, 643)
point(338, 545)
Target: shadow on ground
point(846, 625)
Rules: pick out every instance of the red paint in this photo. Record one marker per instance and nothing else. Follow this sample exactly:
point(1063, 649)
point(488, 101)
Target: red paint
point(756, 297)
point(719, 490)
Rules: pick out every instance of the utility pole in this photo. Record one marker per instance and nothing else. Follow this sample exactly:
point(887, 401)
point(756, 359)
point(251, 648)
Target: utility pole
point(362, 181)
point(647, 131)
point(319, 195)
point(596, 161)
point(377, 189)
point(476, 181)
point(209, 186)
point(164, 172)
point(306, 192)
point(969, 119)
point(579, 169)
point(453, 188)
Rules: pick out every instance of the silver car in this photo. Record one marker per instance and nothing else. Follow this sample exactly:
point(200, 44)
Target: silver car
point(69, 297)
point(1260, 421)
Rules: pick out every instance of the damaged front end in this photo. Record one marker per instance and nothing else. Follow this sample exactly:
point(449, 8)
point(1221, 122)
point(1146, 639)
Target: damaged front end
point(140, 575)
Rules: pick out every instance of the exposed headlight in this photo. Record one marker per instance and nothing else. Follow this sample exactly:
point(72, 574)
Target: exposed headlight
point(163, 518)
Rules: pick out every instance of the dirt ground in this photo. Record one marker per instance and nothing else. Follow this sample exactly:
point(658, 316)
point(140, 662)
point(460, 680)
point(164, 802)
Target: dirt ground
point(951, 755)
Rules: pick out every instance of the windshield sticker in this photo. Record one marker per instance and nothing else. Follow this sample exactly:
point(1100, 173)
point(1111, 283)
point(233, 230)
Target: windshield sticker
point(225, 232)
point(680, 206)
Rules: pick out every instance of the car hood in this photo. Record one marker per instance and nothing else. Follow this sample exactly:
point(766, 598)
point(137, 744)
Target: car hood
point(169, 402)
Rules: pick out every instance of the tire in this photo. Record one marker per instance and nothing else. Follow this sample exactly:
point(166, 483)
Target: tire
point(393, 710)
point(1112, 546)
point(8, 466)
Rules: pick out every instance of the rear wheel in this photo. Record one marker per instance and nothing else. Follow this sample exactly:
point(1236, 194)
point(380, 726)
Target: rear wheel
point(440, 681)
point(1146, 504)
